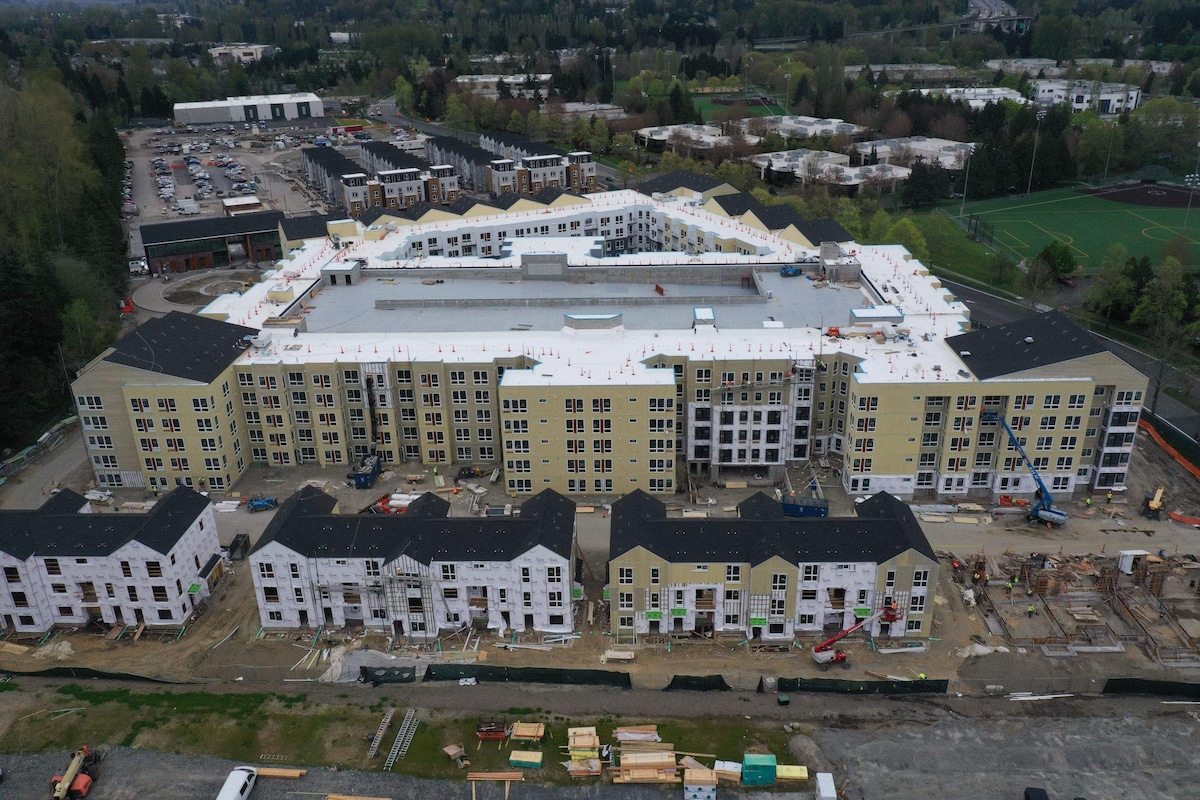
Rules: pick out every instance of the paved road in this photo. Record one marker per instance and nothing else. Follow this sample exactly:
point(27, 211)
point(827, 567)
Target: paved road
point(990, 310)
point(385, 110)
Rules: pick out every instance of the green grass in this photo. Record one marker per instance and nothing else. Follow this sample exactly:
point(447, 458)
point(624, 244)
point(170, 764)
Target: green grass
point(1089, 225)
point(708, 109)
point(952, 251)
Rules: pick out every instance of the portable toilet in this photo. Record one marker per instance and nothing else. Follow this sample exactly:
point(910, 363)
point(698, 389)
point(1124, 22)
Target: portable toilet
point(825, 790)
point(758, 769)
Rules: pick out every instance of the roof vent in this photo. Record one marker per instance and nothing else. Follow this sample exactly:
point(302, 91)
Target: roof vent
point(964, 353)
point(1028, 340)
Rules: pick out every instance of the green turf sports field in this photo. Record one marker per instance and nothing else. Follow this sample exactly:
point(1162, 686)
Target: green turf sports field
point(1021, 226)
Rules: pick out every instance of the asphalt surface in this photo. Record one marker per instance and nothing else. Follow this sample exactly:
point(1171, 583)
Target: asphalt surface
point(991, 310)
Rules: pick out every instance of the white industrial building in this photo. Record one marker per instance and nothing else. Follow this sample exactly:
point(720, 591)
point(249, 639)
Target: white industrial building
point(1104, 98)
point(64, 565)
point(242, 53)
point(978, 96)
point(904, 150)
point(252, 109)
point(418, 572)
point(798, 126)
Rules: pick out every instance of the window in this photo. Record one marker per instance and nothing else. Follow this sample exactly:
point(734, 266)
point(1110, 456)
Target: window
point(265, 570)
point(920, 577)
point(11, 575)
point(625, 575)
point(625, 601)
point(52, 567)
point(779, 582)
point(270, 594)
point(654, 576)
point(916, 604)
point(914, 625)
point(448, 572)
point(133, 595)
point(160, 593)
point(811, 572)
point(733, 573)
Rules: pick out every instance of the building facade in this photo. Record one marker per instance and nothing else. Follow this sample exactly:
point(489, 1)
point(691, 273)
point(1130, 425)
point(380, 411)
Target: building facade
point(65, 566)
point(418, 573)
point(252, 109)
point(764, 576)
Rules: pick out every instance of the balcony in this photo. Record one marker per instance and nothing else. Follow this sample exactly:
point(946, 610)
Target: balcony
point(706, 600)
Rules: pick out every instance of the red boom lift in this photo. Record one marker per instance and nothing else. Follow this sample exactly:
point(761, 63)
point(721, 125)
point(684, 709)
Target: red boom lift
point(825, 653)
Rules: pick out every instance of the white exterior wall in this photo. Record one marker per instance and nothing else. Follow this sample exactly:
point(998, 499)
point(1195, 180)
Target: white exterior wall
point(325, 583)
point(35, 615)
point(110, 586)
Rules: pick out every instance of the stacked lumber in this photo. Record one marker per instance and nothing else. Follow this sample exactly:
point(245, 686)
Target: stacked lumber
point(496, 776)
point(583, 743)
point(280, 772)
point(527, 731)
point(687, 762)
point(352, 797)
point(699, 777)
point(646, 768)
point(729, 771)
point(583, 768)
point(637, 733)
point(527, 759)
point(647, 747)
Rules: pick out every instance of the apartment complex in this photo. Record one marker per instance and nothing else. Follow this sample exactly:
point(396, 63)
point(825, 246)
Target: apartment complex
point(766, 576)
point(574, 172)
point(417, 573)
point(64, 565)
point(392, 179)
point(606, 344)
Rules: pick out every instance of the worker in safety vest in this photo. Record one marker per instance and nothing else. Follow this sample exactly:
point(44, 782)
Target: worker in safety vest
point(1031, 610)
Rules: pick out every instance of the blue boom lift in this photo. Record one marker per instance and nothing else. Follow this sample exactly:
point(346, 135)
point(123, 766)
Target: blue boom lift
point(1043, 510)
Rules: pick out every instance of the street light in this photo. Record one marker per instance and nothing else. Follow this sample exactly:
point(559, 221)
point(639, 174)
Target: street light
point(1190, 181)
point(1041, 115)
point(966, 179)
point(787, 97)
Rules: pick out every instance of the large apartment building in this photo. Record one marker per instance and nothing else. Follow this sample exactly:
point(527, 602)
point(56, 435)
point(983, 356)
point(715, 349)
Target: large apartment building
point(606, 344)
point(387, 179)
point(766, 576)
point(64, 565)
point(420, 572)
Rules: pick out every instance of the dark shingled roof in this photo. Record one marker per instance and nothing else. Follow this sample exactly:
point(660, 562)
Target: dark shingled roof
point(185, 346)
point(1027, 343)
point(373, 213)
point(189, 230)
point(464, 204)
point(550, 194)
point(305, 523)
point(394, 156)
point(522, 143)
point(679, 178)
point(57, 529)
point(823, 230)
point(309, 226)
point(737, 204)
point(883, 529)
point(776, 218)
point(470, 152)
point(506, 200)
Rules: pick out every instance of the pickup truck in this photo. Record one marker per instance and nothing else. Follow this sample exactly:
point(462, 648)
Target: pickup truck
point(261, 504)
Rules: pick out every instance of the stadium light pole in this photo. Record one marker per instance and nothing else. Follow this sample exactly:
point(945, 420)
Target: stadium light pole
point(966, 179)
point(1190, 181)
point(1041, 115)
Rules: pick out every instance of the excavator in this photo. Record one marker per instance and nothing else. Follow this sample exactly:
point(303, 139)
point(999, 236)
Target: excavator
point(76, 780)
point(826, 653)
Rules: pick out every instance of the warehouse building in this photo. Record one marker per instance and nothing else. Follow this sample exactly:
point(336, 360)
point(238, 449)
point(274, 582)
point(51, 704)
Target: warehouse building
point(251, 109)
point(184, 245)
point(419, 573)
point(615, 342)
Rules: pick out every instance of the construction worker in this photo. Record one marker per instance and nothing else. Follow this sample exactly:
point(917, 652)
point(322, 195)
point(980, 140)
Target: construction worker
point(1031, 610)
point(1109, 495)
point(1088, 502)
point(1008, 589)
point(435, 472)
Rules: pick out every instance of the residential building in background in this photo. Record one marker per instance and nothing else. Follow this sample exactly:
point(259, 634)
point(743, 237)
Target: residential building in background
point(608, 343)
point(241, 53)
point(1080, 95)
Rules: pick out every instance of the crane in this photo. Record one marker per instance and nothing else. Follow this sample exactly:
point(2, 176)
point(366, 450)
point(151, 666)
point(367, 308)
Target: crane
point(825, 653)
point(1043, 510)
point(76, 780)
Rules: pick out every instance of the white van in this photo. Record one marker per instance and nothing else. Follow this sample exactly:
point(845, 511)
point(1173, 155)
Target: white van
point(238, 784)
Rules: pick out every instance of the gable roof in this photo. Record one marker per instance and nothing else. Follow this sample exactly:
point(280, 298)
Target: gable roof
point(309, 226)
point(188, 230)
point(883, 529)
point(679, 178)
point(826, 229)
point(183, 345)
point(739, 203)
point(57, 529)
point(305, 524)
point(550, 194)
point(776, 218)
point(1026, 343)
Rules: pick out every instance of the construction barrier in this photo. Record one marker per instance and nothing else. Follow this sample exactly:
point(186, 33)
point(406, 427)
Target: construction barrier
point(697, 683)
point(861, 687)
point(379, 675)
point(484, 673)
point(84, 672)
point(1147, 686)
point(1178, 446)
